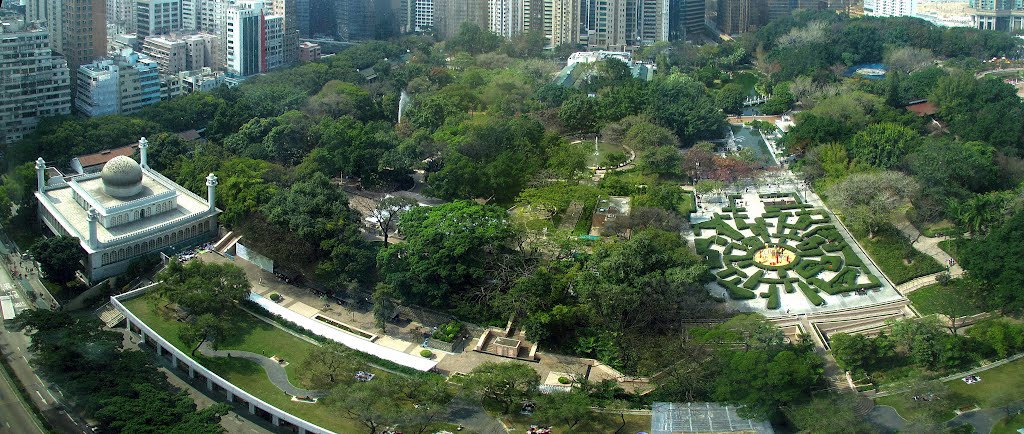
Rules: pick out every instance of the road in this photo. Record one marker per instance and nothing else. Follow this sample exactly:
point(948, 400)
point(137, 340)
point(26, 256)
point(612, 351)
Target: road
point(14, 347)
point(14, 412)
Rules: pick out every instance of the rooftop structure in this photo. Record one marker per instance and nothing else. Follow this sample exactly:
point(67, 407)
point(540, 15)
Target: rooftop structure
point(702, 417)
point(126, 211)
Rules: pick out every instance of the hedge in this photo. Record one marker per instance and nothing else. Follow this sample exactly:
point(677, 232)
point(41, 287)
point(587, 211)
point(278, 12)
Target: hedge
point(753, 280)
point(851, 257)
point(773, 297)
point(812, 296)
point(735, 292)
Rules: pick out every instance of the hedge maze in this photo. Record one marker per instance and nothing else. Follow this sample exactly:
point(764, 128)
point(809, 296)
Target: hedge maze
point(823, 262)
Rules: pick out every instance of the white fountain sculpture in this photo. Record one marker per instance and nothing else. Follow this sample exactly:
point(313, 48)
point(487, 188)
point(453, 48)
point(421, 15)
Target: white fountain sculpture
point(403, 101)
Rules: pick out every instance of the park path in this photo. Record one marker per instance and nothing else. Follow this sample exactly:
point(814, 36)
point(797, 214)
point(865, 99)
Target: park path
point(928, 246)
point(275, 372)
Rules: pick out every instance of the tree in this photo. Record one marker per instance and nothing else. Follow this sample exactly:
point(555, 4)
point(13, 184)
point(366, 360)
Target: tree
point(957, 302)
point(156, 411)
point(372, 403)
point(663, 161)
point(578, 113)
point(882, 145)
point(505, 384)
point(855, 353)
point(567, 160)
point(761, 382)
point(841, 419)
point(567, 409)
point(753, 331)
point(474, 40)
point(59, 258)
point(383, 305)
point(329, 365)
point(446, 250)
point(992, 260)
point(684, 106)
point(386, 211)
point(645, 136)
point(202, 287)
point(870, 200)
point(203, 328)
point(730, 98)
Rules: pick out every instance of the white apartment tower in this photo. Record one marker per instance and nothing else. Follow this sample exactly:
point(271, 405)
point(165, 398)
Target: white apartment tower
point(506, 17)
point(34, 83)
point(122, 15)
point(121, 84)
point(254, 40)
point(888, 8)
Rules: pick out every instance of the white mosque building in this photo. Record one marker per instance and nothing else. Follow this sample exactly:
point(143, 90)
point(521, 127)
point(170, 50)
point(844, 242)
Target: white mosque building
point(126, 211)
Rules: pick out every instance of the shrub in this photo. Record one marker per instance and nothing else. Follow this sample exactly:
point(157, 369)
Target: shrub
point(275, 297)
point(564, 380)
point(448, 331)
point(426, 353)
point(812, 296)
point(773, 297)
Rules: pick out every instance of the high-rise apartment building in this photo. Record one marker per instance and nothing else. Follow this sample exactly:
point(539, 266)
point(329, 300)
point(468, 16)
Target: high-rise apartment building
point(34, 83)
point(288, 11)
point(506, 17)
point(121, 84)
point(78, 29)
point(562, 22)
point(121, 14)
point(157, 17)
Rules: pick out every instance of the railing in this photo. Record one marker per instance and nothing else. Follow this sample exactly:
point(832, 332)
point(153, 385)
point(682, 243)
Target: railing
point(208, 374)
point(154, 229)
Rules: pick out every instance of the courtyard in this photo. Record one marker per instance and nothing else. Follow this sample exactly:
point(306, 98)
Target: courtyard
point(772, 252)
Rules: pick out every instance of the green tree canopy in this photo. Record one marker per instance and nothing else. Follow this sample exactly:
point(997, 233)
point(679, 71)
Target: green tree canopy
point(883, 145)
point(59, 258)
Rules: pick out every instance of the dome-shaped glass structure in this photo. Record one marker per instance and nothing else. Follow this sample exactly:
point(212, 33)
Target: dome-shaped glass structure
point(122, 177)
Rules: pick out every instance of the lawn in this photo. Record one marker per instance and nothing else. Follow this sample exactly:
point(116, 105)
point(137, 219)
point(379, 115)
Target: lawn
point(688, 206)
point(928, 300)
point(997, 386)
point(247, 375)
point(600, 422)
point(1009, 426)
point(888, 248)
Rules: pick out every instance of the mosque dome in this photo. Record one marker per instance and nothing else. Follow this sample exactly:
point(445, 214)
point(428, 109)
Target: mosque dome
point(122, 177)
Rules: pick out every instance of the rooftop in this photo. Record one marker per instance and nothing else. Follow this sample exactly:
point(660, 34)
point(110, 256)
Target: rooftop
point(702, 417)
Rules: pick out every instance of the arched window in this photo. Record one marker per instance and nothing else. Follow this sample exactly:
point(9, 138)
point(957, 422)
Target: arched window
point(106, 259)
point(138, 250)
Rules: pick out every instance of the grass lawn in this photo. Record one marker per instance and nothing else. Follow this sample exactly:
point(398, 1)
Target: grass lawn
point(888, 248)
point(688, 206)
point(601, 422)
point(1009, 426)
point(997, 386)
point(928, 300)
point(259, 336)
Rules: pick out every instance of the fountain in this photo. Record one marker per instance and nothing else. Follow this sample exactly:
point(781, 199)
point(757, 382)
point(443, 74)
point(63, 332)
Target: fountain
point(403, 101)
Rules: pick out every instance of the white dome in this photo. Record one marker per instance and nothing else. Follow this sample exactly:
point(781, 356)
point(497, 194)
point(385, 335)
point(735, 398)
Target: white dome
point(122, 177)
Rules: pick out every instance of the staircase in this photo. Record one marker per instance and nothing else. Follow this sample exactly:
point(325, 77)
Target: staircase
point(109, 315)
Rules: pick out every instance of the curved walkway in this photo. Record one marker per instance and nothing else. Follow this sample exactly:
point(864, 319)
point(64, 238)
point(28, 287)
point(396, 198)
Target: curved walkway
point(275, 372)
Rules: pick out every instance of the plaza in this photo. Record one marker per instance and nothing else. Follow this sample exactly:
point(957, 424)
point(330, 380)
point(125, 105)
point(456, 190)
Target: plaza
point(776, 250)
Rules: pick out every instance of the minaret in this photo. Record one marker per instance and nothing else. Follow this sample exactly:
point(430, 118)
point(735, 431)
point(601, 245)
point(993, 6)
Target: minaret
point(143, 145)
point(211, 187)
point(91, 217)
point(40, 175)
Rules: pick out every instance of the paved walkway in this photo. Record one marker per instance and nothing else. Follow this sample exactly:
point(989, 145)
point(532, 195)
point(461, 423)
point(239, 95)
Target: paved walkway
point(275, 372)
point(886, 419)
point(983, 420)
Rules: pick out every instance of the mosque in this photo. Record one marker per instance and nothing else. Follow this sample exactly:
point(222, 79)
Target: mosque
point(125, 211)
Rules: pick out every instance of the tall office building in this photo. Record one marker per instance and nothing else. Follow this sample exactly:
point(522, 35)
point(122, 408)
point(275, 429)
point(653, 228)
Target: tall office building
point(78, 30)
point(158, 17)
point(38, 10)
point(1001, 15)
point(450, 14)
point(686, 20)
point(740, 16)
point(416, 15)
point(34, 83)
point(121, 84)
point(254, 39)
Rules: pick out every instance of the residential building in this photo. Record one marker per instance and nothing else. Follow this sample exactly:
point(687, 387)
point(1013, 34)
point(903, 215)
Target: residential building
point(78, 30)
point(158, 17)
point(121, 84)
point(34, 82)
point(889, 8)
point(289, 11)
point(124, 212)
point(309, 52)
point(417, 15)
point(176, 53)
point(116, 43)
point(561, 22)
point(121, 14)
point(506, 17)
